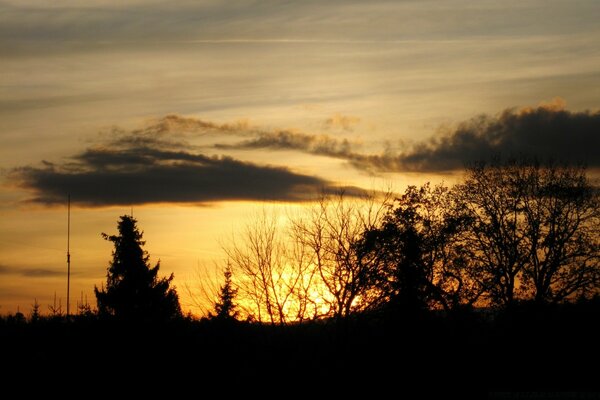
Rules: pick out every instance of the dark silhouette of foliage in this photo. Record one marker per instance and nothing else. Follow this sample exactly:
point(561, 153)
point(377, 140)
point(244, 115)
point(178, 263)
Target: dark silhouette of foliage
point(133, 290)
point(562, 214)
point(225, 306)
point(84, 309)
point(418, 249)
point(19, 317)
point(55, 310)
point(533, 230)
point(35, 316)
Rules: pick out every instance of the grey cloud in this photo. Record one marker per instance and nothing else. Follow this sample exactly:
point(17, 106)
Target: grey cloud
point(322, 145)
point(288, 140)
point(156, 164)
point(544, 132)
point(340, 121)
point(125, 172)
point(30, 272)
point(171, 132)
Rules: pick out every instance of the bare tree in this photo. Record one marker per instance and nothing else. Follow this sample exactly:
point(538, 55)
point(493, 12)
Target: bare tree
point(330, 231)
point(306, 292)
point(55, 310)
point(533, 231)
point(562, 220)
point(493, 199)
point(203, 288)
point(455, 279)
point(269, 279)
point(306, 266)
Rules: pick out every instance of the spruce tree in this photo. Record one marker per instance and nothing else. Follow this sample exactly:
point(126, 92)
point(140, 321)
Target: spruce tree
point(133, 290)
point(225, 307)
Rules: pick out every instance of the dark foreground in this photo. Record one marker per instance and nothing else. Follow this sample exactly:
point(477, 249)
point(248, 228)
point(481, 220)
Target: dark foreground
point(529, 349)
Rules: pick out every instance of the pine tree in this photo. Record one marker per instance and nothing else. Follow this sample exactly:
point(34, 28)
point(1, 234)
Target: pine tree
point(133, 290)
point(225, 307)
point(35, 312)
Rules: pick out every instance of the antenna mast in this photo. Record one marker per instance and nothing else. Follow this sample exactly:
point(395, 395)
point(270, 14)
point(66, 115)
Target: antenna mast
point(68, 253)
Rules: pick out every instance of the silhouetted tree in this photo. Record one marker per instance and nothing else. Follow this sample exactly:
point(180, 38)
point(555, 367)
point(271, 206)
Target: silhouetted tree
point(133, 290)
point(84, 309)
point(267, 278)
point(225, 307)
point(534, 229)
point(419, 253)
point(562, 214)
point(17, 318)
point(35, 312)
point(307, 266)
point(346, 280)
point(55, 310)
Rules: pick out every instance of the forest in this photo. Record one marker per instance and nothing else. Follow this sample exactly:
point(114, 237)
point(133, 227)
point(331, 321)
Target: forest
point(485, 287)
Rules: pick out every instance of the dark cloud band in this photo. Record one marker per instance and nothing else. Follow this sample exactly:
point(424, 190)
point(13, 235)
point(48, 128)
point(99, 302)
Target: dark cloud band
point(125, 174)
point(30, 272)
point(545, 132)
point(155, 164)
point(542, 132)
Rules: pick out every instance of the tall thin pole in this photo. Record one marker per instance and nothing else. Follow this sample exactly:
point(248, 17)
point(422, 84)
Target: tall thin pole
point(68, 252)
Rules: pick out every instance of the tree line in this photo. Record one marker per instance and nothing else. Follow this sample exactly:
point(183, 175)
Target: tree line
point(510, 231)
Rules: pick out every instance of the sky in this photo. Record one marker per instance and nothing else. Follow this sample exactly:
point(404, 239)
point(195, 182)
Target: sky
point(194, 115)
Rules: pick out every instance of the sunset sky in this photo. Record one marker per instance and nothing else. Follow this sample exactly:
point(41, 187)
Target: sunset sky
point(196, 114)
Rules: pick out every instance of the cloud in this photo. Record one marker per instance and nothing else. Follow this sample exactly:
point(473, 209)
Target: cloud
point(320, 145)
point(171, 131)
point(288, 140)
point(339, 121)
point(30, 272)
point(148, 167)
point(547, 131)
point(155, 20)
point(157, 164)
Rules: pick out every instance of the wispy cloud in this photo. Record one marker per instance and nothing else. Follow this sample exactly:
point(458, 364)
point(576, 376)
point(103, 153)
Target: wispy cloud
point(171, 132)
point(157, 164)
point(30, 272)
point(148, 166)
point(289, 140)
point(275, 20)
point(546, 131)
point(340, 121)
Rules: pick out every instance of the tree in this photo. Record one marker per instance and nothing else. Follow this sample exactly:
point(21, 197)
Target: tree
point(84, 309)
point(268, 278)
point(225, 306)
point(533, 231)
point(419, 253)
point(330, 233)
point(55, 310)
point(35, 316)
point(133, 290)
point(561, 221)
point(307, 266)
point(493, 198)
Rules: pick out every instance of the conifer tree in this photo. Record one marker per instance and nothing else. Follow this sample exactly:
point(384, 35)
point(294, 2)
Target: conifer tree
point(225, 307)
point(133, 290)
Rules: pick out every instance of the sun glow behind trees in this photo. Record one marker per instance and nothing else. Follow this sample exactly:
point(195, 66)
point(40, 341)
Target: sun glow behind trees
point(298, 264)
point(511, 231)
